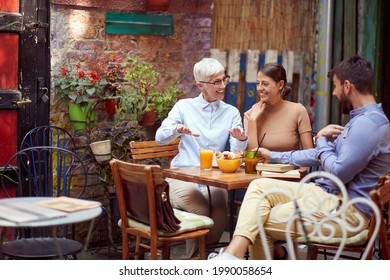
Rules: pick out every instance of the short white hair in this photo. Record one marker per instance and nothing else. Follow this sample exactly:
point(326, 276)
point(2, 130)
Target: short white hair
point(206, 68)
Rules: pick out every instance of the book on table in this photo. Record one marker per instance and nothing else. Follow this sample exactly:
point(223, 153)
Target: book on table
point(275, 167)
point(291, 174)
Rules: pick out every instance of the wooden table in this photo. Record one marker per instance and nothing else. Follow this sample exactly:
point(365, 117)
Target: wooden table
point(215, 178)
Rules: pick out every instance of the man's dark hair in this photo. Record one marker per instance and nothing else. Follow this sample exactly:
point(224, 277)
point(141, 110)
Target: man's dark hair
point(358, 71)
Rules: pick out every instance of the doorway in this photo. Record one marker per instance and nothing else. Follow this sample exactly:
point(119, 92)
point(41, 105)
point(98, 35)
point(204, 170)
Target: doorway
point(24, 71)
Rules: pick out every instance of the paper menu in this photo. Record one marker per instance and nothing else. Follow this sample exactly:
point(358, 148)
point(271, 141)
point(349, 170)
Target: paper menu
point(69, 204)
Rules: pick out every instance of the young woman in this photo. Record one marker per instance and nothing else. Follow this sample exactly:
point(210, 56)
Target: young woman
point(286, 124)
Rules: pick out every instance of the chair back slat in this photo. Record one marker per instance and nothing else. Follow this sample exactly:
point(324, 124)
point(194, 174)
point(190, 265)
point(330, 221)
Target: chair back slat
point(151, 149)
point(137, 174)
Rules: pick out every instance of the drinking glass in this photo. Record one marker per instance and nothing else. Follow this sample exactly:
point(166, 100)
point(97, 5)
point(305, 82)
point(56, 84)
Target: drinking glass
point(251, 159)
point(206, 158)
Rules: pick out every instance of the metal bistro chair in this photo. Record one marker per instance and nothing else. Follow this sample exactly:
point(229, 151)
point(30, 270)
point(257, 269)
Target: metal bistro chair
point(355, 245)
point(304, 226)
point(149, 238)
point(48, 135)
point(50, 172)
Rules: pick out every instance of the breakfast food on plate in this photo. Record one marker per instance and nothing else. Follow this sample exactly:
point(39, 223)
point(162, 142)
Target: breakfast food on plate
point(228, 155)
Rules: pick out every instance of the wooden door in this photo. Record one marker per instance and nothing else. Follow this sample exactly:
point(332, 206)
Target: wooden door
point(24, 71)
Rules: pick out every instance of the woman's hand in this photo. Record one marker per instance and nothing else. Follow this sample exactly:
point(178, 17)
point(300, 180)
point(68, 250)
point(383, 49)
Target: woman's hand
point(238, 134)
point(256, 110)
point(185, 130)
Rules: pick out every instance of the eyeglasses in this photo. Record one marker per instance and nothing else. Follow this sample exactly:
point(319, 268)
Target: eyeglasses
point(218, 83)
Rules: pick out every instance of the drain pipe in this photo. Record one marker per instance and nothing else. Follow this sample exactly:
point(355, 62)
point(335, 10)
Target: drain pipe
point(324, 60)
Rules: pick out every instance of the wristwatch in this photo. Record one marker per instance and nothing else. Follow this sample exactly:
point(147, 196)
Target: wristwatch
point(315, 137)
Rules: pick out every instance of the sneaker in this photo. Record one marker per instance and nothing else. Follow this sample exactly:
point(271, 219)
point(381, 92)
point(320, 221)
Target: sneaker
point(221, 256)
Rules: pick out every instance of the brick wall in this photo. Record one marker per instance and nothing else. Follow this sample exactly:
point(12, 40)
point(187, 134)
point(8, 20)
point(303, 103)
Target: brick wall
point(78, 34)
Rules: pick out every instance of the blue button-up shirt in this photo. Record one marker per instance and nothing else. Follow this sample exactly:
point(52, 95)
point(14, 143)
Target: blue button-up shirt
point(358, 156)
point(211, 120)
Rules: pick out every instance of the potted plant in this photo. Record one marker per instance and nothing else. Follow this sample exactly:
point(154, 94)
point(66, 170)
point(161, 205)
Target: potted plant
point(101, 150)
point(120, 134)
point(81, 89)
point(113, 72)
point(164, 100)
point(141, 96)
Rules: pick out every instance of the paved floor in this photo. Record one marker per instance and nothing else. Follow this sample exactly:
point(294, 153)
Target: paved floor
point(178, 252)
point(102, 252)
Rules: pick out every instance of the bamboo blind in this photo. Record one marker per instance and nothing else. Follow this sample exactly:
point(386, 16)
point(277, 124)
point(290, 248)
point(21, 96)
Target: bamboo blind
point(264, 24)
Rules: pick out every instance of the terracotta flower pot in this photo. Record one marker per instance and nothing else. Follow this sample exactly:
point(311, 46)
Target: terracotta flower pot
point(148, 118)
point(157, 5)
point(111, 106)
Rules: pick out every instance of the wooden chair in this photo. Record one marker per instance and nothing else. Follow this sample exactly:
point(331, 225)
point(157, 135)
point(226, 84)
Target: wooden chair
point(381, 196)
point(126, 175)
point(151, 149)
point(44, 171)
point(355, 244)
point(319, 233)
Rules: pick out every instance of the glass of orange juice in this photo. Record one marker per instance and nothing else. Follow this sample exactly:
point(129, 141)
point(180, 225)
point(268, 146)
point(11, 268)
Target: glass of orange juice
point(206, 158)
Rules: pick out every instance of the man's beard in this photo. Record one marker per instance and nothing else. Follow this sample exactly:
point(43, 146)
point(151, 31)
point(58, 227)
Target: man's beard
point(345, 103)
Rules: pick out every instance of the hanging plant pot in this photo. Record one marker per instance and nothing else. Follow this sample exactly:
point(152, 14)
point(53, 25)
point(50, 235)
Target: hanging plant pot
point(111, 106)
point(148, 118)
point(157, 5)
point(101, 150)
point(78, 117)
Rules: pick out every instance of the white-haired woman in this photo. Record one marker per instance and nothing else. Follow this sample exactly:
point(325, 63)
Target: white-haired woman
point(203, 121)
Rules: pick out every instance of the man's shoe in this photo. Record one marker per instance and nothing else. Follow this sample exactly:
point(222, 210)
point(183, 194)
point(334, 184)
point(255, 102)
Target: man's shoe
point(221, 256)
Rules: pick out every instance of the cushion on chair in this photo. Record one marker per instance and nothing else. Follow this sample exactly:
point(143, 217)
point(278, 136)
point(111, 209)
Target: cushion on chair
point(189, 222)
point(356, 240)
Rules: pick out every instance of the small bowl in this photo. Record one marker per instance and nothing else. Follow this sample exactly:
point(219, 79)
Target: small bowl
point(229, 165)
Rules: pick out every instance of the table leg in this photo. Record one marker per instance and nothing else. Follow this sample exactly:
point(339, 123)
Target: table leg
point(57, 244)
point(231, 211)
point(210, 202)
point(88, 235)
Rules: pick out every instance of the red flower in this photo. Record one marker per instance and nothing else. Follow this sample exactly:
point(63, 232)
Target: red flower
point(94, 77)
point(81, 74)
point(78, 85)
point(64, 71)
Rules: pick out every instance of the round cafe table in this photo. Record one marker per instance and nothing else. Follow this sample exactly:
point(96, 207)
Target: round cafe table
point(67, 219)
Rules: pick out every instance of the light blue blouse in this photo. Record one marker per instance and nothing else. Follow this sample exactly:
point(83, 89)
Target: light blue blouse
point(211, 120)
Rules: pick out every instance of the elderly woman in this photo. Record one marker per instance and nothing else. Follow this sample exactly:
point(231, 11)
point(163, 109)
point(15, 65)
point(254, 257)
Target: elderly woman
point(202, 122)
